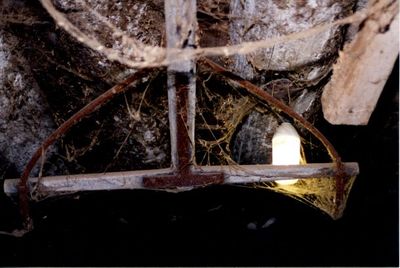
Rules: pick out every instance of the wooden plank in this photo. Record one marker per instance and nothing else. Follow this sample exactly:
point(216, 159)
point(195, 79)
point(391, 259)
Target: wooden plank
point(362, 70)
point(58, 185)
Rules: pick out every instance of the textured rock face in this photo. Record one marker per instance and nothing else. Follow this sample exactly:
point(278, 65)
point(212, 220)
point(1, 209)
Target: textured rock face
point(24, 116)
point(258, 20)
point(253, 141)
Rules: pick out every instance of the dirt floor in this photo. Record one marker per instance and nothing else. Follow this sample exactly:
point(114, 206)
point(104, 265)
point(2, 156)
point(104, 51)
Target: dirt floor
point(228, 225)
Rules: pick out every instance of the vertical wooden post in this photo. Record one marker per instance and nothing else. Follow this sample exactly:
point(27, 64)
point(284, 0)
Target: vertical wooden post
point(181, 25)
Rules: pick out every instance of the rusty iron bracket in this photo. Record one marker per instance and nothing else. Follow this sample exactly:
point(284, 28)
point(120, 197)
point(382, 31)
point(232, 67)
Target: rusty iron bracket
point(181, 27)
point(181, 123)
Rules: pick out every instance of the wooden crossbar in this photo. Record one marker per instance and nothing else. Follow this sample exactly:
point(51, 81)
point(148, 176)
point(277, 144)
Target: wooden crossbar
point(243, 174)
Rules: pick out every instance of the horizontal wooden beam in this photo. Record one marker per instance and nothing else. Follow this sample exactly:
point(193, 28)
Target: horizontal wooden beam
point(67, 184)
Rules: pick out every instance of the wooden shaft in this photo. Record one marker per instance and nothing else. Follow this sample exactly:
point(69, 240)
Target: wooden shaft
point(242, 174)
point(181, 25)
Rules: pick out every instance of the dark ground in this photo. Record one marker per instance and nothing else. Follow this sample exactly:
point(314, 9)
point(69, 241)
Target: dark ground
point(210, 226)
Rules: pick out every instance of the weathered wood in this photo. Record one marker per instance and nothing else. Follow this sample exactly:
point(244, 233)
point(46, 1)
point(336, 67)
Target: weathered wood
point(181, 27)
point(362, 71)
point(57, 185)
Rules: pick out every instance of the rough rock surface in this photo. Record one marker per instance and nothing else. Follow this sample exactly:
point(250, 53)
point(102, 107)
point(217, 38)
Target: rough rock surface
point(257, 20)
point(253, 141)
point(24, 116)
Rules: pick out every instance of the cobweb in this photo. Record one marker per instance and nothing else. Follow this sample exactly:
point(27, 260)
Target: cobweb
point(222, 111)
point(318, 193)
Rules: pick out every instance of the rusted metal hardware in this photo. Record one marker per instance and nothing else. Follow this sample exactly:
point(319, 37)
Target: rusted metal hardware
point(128, 180)
point(181, 114)
point(181, 26)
